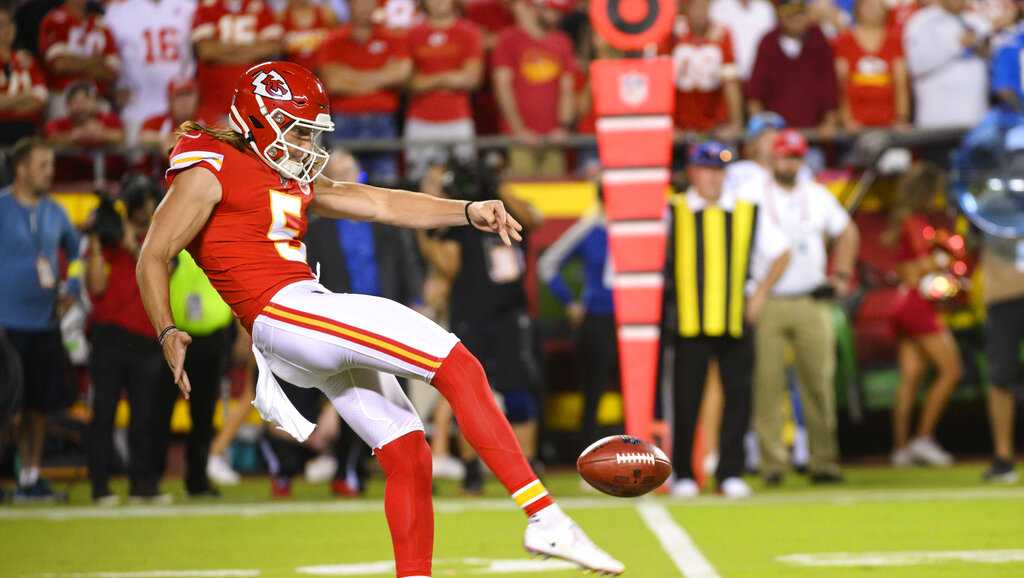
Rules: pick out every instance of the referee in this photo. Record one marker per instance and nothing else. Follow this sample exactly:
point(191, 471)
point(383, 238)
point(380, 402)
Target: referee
point(715, 236)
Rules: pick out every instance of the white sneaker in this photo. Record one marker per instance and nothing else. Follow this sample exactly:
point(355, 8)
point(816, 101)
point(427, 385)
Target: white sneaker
point(685, 488)
point(926, 451)
point(321, 469)
point(448, 468)
point(902, 458)
point(735, 489)
point(566, 541)
point(219, 470)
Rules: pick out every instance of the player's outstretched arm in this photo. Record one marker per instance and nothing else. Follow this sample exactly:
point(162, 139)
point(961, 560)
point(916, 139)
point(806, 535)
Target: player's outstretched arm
point(412, 210)
point(178, 219)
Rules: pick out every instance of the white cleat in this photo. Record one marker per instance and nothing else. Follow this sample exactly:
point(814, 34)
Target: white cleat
point(926, 451)
point(219, 470)
point(566, 541)
point(735, 489)
point(685, 488)
point(902, 458)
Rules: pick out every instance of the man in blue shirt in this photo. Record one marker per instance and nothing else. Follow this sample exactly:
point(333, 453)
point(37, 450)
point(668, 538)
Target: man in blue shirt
point(592, 314)
point(33, 229)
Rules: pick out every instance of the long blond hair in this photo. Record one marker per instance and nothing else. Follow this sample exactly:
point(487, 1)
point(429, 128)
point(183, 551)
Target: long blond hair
point(222, 134)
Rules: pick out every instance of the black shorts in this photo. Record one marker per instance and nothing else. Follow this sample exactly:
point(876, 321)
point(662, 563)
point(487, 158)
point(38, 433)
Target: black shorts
point(505, 346)
point(1005, 336)
point(46, 387)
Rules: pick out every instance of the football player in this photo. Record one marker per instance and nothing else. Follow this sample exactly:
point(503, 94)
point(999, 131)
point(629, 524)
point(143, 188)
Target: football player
point(238, 201)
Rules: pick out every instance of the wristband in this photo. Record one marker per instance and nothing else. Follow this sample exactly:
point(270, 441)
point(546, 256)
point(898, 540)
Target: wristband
point(167, 331)
point(466, 209)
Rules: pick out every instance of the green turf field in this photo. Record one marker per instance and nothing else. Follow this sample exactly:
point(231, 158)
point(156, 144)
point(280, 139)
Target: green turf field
point(883, 523)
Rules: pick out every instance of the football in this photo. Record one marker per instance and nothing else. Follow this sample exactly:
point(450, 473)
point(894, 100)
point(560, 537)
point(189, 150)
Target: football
point(624, 466)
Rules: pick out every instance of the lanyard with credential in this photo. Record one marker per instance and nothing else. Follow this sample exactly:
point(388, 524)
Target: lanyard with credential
point(769, 198)
point(47, 278)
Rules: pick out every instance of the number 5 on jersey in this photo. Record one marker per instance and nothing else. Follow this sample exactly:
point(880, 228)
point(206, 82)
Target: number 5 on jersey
point(286, 218)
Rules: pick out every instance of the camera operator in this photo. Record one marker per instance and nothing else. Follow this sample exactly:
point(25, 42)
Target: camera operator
point(125, 354)
point(797, 312)
point(488, 302)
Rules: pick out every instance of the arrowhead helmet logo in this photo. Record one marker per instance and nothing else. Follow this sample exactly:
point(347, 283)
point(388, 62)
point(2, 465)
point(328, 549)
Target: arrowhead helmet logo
point(271, 85)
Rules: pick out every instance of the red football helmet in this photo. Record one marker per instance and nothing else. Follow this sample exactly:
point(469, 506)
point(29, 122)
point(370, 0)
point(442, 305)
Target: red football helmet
point(275, 99)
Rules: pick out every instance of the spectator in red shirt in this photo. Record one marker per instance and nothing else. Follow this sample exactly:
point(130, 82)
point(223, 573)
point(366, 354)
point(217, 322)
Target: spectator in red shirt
point(794, 73)
point(85, 124)
point(306, 25)
point(447, 60)
point(533, 82)
point(229, 37)
point(22, 86)
point(364, 67)
point(183, 99)
point(872, 74)
point(76, 45)
point(125, 354)
point(708, 89)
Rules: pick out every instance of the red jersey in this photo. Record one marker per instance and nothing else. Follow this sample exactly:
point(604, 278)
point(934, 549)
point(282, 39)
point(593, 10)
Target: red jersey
point(702, 64)
point(20, 74)
point(537, 66)
point(62, 33)
point(64, 124)
point(251, 246)
point(870, 89)
point(230, 22)
point(492, 16)
point(382, 47)
point(304, 31)
point(437, 50)
point(121, 303)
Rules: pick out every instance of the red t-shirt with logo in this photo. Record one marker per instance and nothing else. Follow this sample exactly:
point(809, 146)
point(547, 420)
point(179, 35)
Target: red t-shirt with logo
point(63, 33)
point(537, 66)
point(870, 89)
point(19, 75)
point(241, 22)
point(702, 64)
point(304, 31)
point(382, 47)
point(437, 50)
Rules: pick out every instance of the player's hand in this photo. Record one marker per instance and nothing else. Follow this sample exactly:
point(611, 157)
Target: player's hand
point(755, 306)
point(174, 347)
point(491, 216)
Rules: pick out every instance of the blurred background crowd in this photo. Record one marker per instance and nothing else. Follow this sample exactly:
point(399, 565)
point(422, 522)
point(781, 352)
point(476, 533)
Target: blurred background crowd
point(874, 296)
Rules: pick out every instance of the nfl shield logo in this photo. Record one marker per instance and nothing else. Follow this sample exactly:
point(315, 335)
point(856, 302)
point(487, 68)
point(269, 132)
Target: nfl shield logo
point(634, 88)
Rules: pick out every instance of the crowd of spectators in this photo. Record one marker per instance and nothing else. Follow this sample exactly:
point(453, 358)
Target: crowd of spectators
point(89, 72)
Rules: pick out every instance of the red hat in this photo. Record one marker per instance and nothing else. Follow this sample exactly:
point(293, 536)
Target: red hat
point(177, 86)
point(789, 143)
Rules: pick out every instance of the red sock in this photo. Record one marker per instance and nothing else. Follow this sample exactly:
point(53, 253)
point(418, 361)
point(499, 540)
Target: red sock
point(462, 381)
point(408, 504)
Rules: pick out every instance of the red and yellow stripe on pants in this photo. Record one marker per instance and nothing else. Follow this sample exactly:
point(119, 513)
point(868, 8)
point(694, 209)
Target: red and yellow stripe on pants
point(355, 335)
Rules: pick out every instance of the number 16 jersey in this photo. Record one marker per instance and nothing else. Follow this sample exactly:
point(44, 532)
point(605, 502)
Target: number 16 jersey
point(251, 246)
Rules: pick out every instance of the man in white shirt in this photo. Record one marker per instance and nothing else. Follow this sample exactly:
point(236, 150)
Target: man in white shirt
point(756, 165)
point(154, 40)
point(716, 235)
point(747, 21)
point(946, 51)
point(798, 312)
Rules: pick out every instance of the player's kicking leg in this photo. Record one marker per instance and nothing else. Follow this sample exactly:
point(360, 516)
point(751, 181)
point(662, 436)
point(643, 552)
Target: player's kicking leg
point(384, 335)
point(550, 532)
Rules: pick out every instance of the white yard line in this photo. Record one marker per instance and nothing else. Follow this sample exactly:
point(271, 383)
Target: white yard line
point(162, 574)
point(836, 497)
point(675, 541)
point(911, 558)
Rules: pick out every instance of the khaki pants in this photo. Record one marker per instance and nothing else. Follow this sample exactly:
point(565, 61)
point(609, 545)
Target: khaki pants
point(806, 325)
point(536, 163)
